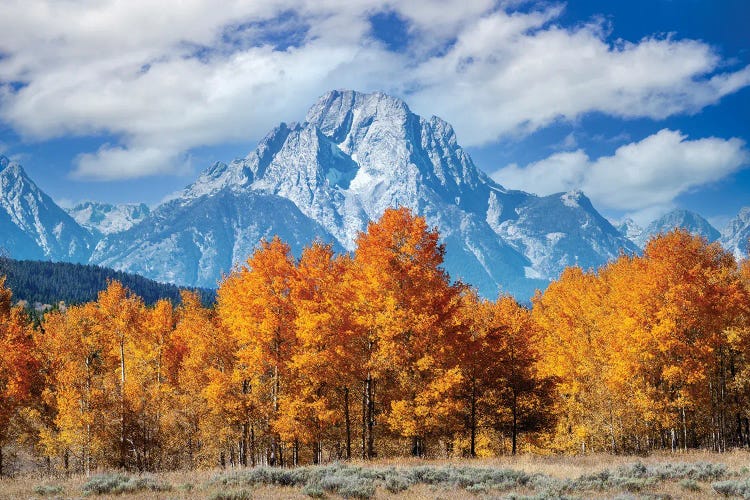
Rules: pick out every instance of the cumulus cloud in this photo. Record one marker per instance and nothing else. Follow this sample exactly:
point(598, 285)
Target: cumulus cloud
point(512, 73)
point(188, 74)
point(642, 178)
point(114, 163)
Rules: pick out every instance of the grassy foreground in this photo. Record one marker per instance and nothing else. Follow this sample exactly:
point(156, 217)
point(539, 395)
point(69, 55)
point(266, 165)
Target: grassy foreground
point(692, 475)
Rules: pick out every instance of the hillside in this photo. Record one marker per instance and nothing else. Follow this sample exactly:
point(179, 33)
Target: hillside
point(52, 282)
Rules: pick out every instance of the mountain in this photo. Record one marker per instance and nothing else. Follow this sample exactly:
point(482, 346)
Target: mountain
point(32, 225)
point(736, 235)
point(629, 229)
point(684, 219)
point(194, 241)
point(355, 155)
point(39, 282)
point(105, 218)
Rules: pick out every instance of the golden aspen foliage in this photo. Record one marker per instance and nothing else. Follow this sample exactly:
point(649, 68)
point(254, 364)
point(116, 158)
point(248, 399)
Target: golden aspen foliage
point(255, 305)
point(648, 350)
point(498, 355)
point(697, 301)
point(520, 395)
point(332, 356)
point(209, 404)
point(82, 388)
point(152, 401)
point(404, 306)
point(323, 364)
point(18, 366)
point(575, 350)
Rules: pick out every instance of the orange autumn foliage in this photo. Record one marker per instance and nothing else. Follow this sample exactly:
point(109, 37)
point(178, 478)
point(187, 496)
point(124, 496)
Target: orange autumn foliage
point(646, 350)
point(378, 353)
point(19, 365)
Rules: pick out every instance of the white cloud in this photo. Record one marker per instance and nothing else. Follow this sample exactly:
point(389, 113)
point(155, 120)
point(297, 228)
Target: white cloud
point(514, 74)
point(110, 163)
point(186, 73)
point(642, 178)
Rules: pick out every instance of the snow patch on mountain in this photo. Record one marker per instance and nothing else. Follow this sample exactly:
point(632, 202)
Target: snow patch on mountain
point(629, 228)
point(736, 236)
point(685, 219)
point(354, 156)
point(32, 226)
point(105, 218)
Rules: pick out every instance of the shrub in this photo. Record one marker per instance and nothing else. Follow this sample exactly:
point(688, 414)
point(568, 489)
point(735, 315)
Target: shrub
point(634, 484)
point(465, 477)
point(264, 476)
point(242, 494)
point(701, 471)
point(396, 483)
point(115, 484)
point(348, 485)
point(44, 490)
point(733, 488)
point(690, 485)
point(186, 487)
point(313, 490)
point(633, 470)
point(478, 489)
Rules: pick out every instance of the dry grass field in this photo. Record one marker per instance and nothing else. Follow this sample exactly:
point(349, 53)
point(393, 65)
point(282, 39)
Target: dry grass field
point(691, 475)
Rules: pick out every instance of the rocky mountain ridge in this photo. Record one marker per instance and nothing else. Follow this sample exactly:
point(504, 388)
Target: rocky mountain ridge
point(325, 178)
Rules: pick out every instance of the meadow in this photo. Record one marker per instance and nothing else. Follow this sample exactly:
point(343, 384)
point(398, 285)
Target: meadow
point(682, 475)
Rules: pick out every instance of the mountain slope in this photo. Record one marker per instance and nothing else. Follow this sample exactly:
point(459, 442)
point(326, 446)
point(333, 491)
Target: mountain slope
point(561, 230)
point(194, 241)
point(736, 235)
point(32, 225)
point(684, 219)
point(629, 229)
point(354, 156)
point(105, 218)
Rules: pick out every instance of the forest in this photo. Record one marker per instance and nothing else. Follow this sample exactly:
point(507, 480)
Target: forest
point(378, 353)
point(44, 282)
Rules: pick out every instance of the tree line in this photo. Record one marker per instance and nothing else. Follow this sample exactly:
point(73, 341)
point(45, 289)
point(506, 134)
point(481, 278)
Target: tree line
point(378, 353)
point(49, 283)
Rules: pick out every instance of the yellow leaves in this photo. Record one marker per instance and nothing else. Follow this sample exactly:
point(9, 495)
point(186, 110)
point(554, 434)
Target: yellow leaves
point(301, 349)
point(19, 363)
point(254, 304)
point(645, 336)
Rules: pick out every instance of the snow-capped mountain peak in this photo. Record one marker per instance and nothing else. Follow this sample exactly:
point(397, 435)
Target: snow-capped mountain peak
point(32, 225)
point(105, 218)
point(629, 228)
point(355, 155)
point(736, 235)
point(679, 218)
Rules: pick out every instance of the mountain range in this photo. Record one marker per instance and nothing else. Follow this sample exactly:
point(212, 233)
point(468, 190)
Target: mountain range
point(105, 218)
point(325, 178)
point(685, 219)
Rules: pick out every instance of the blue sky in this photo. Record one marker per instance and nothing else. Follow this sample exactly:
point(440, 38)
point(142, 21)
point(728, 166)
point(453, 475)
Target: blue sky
point(643, 104)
